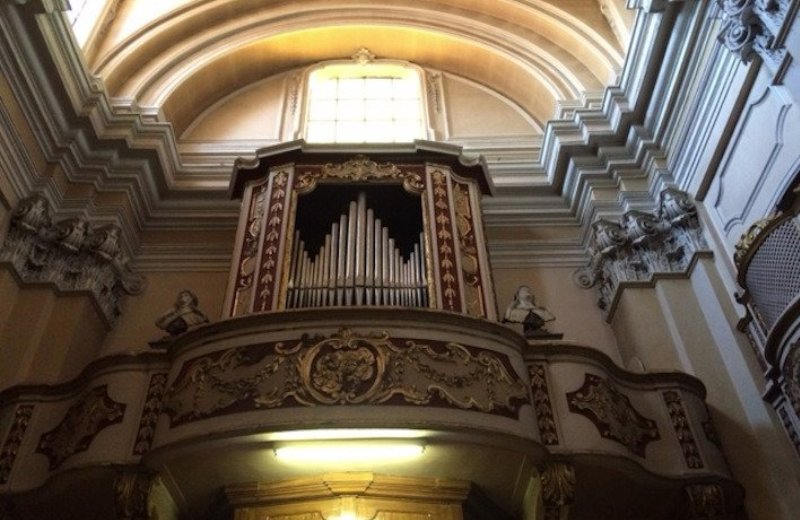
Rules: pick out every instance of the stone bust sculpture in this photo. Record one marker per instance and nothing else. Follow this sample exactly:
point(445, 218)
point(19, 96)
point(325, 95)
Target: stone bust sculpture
point(183, 315)
point(524, 310)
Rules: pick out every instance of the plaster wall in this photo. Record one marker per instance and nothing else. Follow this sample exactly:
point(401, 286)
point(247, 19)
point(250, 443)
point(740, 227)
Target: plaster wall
point(261, 111)
point(135, 328)
point(762, 159)
point(689, 324)
point(254, 112)
point(475, 111)
point(576, 312)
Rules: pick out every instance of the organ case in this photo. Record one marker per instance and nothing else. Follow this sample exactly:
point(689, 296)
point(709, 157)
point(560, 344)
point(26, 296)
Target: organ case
point(327, 229)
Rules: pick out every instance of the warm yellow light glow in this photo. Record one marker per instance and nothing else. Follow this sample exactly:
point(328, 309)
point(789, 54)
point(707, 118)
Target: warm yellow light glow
point(348, 451)
point(345, 516)
point(346, 433)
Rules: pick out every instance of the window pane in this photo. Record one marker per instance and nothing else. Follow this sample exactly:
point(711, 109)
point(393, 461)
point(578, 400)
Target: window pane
point(378, 109)
point(406, 88)
point(321, 132)
point(378, 88)
point(351, 88)
point(350, 132)
point(352, 108)
point(325, 89)
point(406, 109)
point(379, 131)
point(322, 109)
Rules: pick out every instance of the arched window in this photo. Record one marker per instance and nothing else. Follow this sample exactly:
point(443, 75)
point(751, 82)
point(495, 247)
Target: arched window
point(364, 102)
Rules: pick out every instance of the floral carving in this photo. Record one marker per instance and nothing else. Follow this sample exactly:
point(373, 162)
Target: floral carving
point(249, 251)
point(91, 414)
point(642, 245)
point(470, 265)
point(558, 489)
point(131, 494)
point(750, 27)
point(152, 408)
point(22, 417)
point(73, 254)
point(446, 245)
point(542, 406)
point(360, 169)
point(683, 430)
point(612, 413)
point(268, 277)
point(346, 368)
point(706, 501)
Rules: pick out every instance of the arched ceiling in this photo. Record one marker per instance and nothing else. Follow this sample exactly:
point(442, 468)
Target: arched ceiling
point(183, 56)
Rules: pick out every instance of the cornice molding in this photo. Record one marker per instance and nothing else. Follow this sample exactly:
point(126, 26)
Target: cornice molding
point(605, 159)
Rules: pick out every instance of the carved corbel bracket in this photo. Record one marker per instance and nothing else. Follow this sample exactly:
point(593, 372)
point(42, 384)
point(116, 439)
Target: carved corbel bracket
point(641, 245)
point(131, 495)
point(72, 254)
point(755, 27)
point(558, 489)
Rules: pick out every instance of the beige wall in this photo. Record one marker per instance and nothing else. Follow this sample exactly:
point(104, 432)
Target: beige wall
point(135, 328)
point(689, 324)
point(577, 315)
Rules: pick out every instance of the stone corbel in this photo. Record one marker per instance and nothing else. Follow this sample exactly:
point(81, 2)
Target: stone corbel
point(131, 495)
point(642, 245)
point(756, 27)
point(558, 490)
point(72, 254)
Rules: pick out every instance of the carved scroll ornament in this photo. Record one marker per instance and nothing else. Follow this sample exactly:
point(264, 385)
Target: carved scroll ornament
point(612, 413)
point(641, 245)
point(750, 27)
point(73, 254)
point(360, 169)
point(346, 368)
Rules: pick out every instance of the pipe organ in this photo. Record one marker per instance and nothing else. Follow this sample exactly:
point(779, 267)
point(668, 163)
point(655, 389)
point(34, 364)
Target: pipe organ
point(341, 230)
point(358, 264)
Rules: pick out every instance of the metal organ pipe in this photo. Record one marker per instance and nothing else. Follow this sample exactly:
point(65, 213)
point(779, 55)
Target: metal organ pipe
point(357, 264)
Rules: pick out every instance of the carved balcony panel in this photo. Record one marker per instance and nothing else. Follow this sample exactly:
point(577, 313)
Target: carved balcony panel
point(768, 261)
point(652, 431)
point(212, 405)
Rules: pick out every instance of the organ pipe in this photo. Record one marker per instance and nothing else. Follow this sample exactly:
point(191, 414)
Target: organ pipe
point(358, 263)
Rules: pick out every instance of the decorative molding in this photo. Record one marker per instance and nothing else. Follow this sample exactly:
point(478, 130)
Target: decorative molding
point(131, 494)
point(750, 237)
point(19, 425)
point(468, 249)
point(267, 282)
point(244, 278)
point(347, 368)
point(705, 501)
point(445, 245)
point(612, 414)
point(558, 489)
point(359, 169)
point(92, 413)
point(72, 254)
point(683, 430)
point(642, 245)
point(150, 413)
point(542, 405)
point(363, 56)
point(754, 27)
